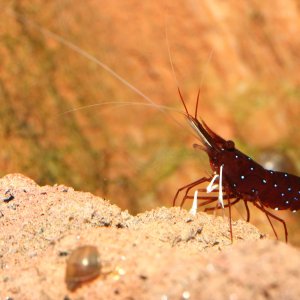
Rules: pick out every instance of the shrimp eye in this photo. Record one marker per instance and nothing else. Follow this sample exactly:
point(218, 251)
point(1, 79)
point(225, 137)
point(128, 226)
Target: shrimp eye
point(229, 145)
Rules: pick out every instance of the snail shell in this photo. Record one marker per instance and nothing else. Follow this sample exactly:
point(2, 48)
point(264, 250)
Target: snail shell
point(83, 265)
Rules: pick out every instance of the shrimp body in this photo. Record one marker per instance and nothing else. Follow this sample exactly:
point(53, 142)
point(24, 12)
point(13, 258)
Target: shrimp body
point(282, 191)
point(243, 178)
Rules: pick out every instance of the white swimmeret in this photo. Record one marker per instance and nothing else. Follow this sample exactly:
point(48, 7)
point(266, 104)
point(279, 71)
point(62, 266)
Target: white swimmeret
point(211, 187)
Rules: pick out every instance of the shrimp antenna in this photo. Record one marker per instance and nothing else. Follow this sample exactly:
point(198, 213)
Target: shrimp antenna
point(201, 82)
point(83, 53)
point(182, 100)
point(169, 54)
point(120, 104)
point(90, 57)
point(173, 68)
point(197, 104)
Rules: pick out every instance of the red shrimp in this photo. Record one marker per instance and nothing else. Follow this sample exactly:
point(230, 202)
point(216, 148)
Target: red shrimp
point(242, 178)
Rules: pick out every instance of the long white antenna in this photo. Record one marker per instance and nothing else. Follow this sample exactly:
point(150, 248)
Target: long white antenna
point(83, 53)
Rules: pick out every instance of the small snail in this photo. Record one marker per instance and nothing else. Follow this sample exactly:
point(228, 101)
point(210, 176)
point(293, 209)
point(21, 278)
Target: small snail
point(82, 265)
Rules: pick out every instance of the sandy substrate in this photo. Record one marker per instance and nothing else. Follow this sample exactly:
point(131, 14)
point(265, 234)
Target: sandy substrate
point(162, 254)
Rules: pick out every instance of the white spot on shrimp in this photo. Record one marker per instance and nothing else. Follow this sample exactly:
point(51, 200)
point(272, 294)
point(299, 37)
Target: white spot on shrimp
point(249, 158)
point(287, 202)
point(271, 172)
point(275, 185)
point(242, 177)
point(285, 175)
point(296, 198)
point(253, 190)
point(282, 194)
point(276, 208)
point(236, 156)
point(251, 168)
point(289, 189)
point(264, 181)
point(234, 185)
point(294, 210)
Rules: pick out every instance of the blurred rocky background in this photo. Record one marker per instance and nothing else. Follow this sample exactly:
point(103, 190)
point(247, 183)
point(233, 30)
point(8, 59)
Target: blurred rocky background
point(243, 55)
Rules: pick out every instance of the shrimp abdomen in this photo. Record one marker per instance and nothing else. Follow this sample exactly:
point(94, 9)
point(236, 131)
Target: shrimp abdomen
point(282, 191)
